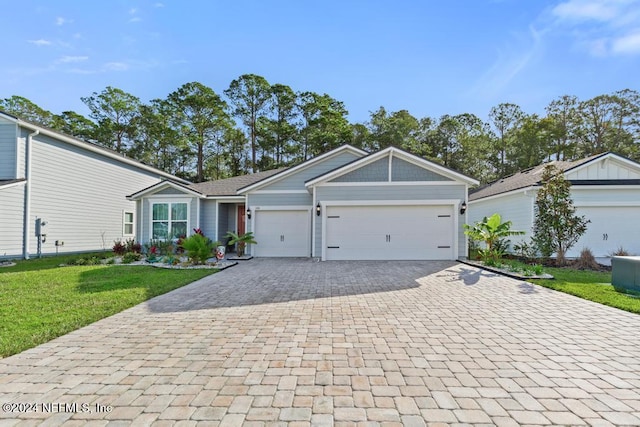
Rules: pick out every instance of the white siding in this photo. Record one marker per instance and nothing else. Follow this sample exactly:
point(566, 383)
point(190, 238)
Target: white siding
point(208, 217)
point(604, 169)
point(591, 195)
point(11, 214)
point(81, 194)
point(517, 208)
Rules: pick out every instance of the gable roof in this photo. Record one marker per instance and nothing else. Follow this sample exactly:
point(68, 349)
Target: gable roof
point(397, 152)
point(529, 177)
point(218, 188)
point(282, 174)
point(89, 146)
point(231, 186)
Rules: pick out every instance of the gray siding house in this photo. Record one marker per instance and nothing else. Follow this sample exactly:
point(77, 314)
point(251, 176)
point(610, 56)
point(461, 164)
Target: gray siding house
point(605, 188)
point(78, 188)
point(343, 205)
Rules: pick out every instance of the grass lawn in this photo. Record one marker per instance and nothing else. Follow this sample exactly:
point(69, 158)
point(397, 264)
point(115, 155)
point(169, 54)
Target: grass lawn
point(591, 285)
point(41, 301)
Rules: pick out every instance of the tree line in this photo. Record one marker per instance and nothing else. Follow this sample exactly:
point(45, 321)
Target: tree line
point(253, 125)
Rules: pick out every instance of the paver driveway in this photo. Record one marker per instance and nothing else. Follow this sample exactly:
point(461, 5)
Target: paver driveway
point(295, 341)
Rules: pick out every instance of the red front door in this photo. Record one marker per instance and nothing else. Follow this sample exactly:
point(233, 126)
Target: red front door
point(241, 220)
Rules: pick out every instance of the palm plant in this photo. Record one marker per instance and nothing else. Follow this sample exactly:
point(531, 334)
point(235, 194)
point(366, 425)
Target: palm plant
point(242, 240)
point(491, 231)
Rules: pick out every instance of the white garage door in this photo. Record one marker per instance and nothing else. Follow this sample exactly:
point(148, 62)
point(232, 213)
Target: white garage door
point(611, 227)
point(284, 233)
point(389, 233)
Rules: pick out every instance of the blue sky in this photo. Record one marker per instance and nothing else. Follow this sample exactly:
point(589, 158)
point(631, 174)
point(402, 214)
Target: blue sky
point(429, 57)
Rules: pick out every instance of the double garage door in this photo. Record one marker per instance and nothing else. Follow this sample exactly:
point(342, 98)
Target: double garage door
point(411, 232)
point(389, 233)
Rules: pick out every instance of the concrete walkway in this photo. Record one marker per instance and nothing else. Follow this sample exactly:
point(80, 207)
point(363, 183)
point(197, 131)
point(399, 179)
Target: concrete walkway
point(276, 342)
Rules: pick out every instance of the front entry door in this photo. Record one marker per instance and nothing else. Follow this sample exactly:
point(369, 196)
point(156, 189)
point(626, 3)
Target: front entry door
point(241, 220)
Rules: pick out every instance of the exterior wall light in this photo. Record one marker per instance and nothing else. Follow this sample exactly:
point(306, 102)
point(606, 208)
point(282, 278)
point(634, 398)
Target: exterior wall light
point(248, 213)
point(463, 208)
point(318, 209)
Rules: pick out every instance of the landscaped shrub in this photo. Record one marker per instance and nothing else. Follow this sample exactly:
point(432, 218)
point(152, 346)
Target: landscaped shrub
point(133, 246)
point(119, 248)
point(586, 261)
point(130, 245)
point(198, 248)
point(525, 250)
point(492, 231)
point(130, 257)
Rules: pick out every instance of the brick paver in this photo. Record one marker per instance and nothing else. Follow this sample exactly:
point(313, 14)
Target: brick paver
point(299, 342)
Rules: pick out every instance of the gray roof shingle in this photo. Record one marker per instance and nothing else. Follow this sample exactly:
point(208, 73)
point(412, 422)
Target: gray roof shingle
point(523, 179)
point(230, 186)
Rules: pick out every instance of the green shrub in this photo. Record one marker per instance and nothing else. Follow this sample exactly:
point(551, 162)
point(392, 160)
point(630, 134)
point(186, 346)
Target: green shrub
point(130, 257)
point(198, 248)
point(538, 269)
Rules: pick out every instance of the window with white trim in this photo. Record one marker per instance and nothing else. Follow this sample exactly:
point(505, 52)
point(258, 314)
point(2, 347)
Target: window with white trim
point(169, 220)
point(127, 223)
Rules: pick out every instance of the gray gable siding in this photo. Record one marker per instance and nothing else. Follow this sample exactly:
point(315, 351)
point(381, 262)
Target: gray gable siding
point(296, 180)
point(208, 217)
point(8, 151)
point(11, 214)
point(402, 170)
point(377, 171)
point(223, 220)
point(81, 194)
point(392, 192)
point(170, 190)
point(283, 199)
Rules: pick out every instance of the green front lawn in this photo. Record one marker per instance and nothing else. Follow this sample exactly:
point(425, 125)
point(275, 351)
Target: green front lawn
point(41, 301)
point(591, 285)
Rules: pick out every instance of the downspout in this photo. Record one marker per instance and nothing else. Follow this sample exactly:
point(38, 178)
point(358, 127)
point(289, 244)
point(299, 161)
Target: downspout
point(27, 197)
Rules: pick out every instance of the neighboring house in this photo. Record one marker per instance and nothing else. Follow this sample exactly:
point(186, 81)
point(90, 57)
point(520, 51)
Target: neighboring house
point(342, 205)
point(605, 188)
point(78, 188)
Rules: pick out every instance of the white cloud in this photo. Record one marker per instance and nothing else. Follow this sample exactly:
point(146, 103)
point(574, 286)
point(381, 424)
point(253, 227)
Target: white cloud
point(158, 4)
point(601, 27)
point(40, 42)
point(62, 21)
point(627, 45)
point(135, 19)
point(579, 10)
point(72, 59)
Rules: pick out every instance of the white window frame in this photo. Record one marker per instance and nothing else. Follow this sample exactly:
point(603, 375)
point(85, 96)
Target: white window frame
point(169, 202)
point(125, 223)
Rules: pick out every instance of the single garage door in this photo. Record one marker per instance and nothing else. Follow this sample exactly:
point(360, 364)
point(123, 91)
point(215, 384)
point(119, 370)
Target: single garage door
point(282, 233)
point(389, 233)
point(611, 227)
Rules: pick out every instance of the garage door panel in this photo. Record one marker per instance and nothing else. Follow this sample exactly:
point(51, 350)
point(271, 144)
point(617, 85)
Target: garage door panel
point(389, 232)
point(282, 233)
point(611, 227)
